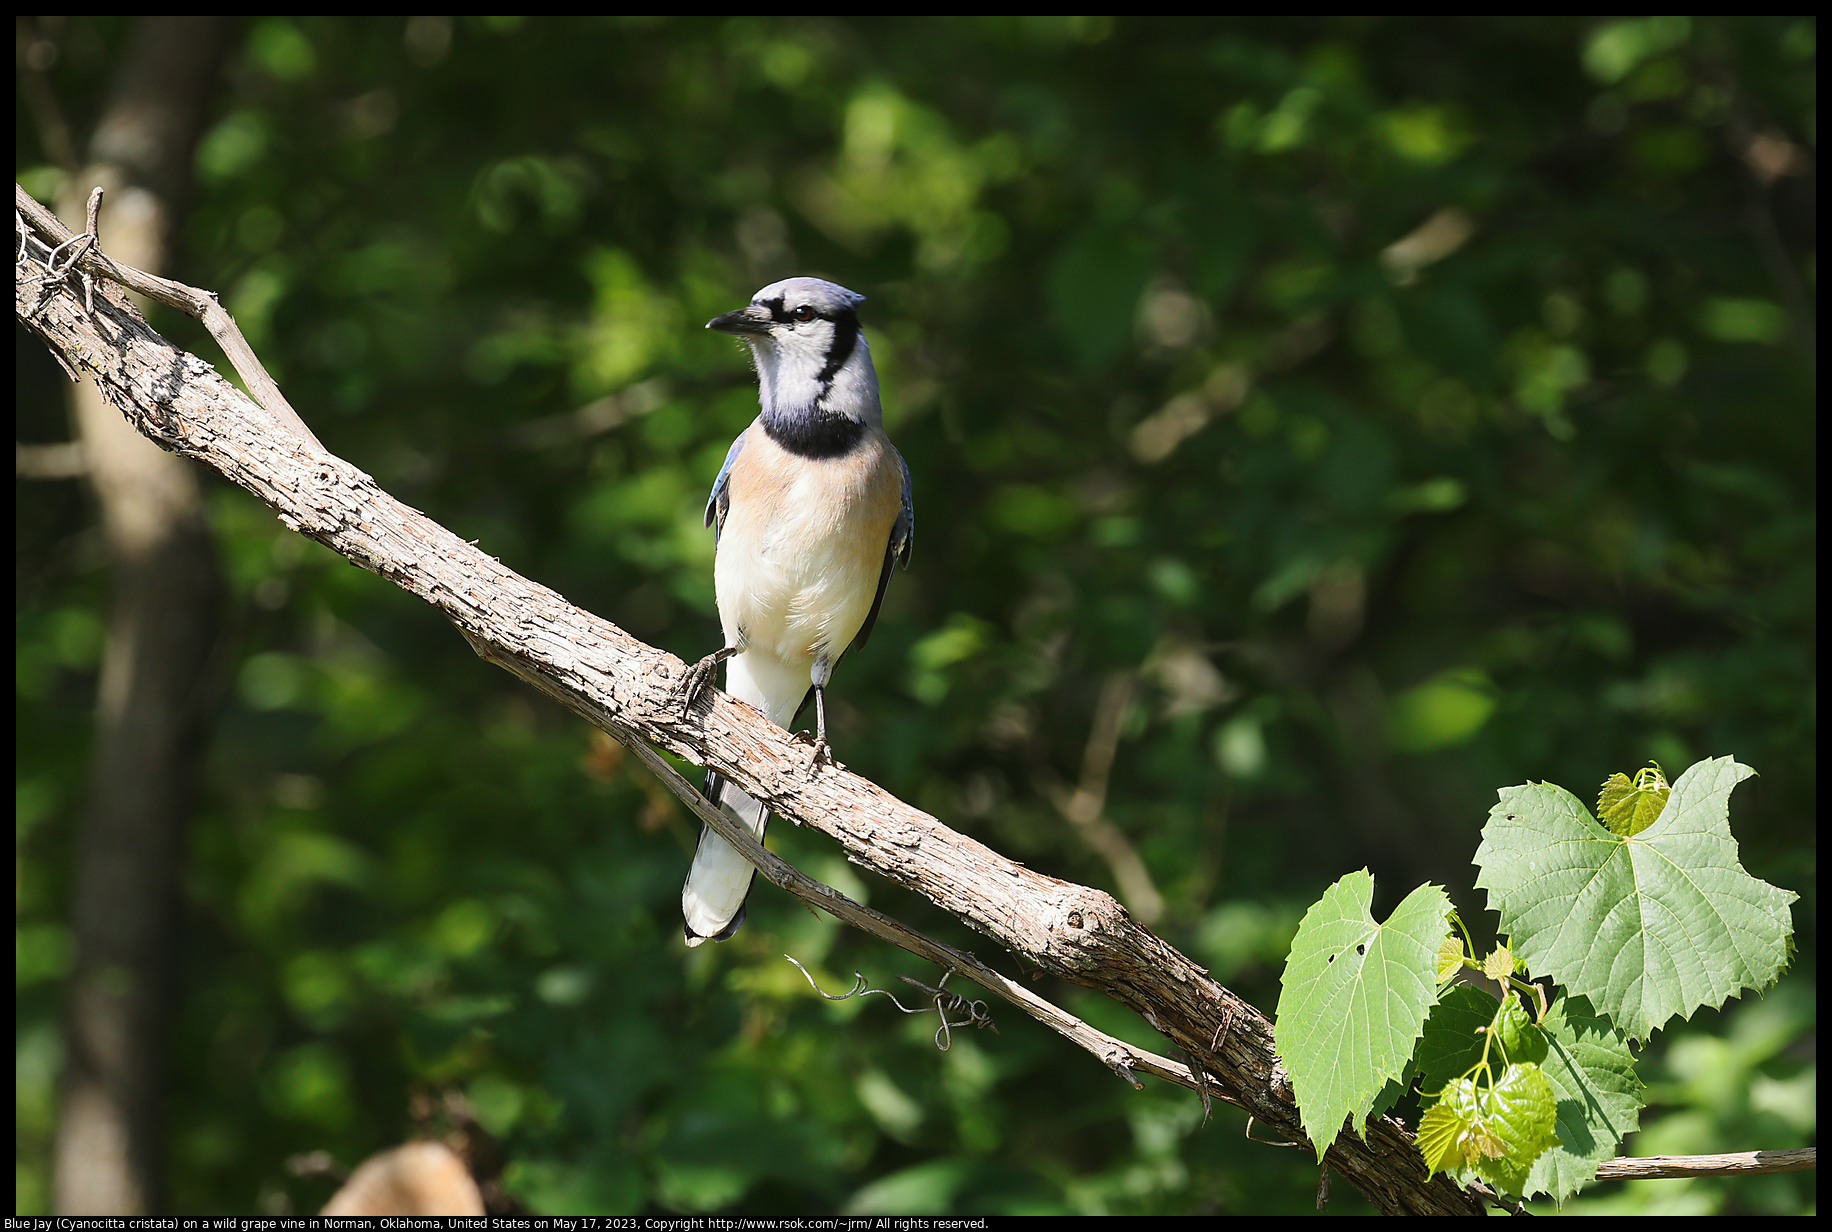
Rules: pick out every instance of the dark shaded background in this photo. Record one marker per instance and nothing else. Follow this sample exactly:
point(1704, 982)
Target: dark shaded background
point(1316, 425)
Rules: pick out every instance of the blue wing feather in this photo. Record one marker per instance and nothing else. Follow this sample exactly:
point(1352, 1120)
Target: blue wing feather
point(903, 534)
point(719, 503)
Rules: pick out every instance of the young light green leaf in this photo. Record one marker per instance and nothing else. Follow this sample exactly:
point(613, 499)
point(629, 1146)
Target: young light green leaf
point(1499, 964)
point(1450, 955)
point(1354, 998)
point(1447, 1139)
point(1647, 927)
point(1628, 806)
point(1521, 1113)
point(1496, 1132)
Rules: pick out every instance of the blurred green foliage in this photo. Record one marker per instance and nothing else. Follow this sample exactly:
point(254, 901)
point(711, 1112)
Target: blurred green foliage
point(1379, 411)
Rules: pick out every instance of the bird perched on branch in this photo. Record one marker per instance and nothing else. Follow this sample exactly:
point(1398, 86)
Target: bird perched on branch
point(810, 513)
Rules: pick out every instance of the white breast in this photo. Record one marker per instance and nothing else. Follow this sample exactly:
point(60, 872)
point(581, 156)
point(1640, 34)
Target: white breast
point(802, 549)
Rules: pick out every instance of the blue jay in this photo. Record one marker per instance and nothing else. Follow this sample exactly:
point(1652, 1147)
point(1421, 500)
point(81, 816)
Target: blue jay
point(809, 514)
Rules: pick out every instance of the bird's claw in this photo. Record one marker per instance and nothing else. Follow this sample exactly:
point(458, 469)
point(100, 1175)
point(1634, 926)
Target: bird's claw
point(821, 749)
point(697, 677)
point(692, 686)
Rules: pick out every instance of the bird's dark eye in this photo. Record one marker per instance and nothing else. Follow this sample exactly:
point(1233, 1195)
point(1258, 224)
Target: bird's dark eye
point(804, 313)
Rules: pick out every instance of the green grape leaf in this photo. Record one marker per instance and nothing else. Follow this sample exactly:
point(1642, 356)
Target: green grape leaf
point(1520, 1039)
point(1647, 926)
point(1583, 1057)
point(1452, 1042)
point(1354, 998)
point(1599, 1097)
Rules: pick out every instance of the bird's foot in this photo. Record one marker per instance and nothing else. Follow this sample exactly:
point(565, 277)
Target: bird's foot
point(821, 750)
point(699, 675)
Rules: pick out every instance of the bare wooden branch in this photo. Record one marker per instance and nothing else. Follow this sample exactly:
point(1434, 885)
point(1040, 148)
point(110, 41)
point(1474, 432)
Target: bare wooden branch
point(1105, 1048)
point(630, 689)
point(189, 300)
point(1742, 1163)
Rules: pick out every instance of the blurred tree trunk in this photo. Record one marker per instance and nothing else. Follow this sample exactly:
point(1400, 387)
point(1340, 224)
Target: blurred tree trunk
point(154, 689)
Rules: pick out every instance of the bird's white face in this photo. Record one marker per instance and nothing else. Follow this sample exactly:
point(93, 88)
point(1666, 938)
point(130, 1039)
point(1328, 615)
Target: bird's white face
point(805, 341)
point(792, 353)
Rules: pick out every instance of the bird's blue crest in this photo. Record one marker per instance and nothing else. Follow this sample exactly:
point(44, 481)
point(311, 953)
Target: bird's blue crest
point(816, 292)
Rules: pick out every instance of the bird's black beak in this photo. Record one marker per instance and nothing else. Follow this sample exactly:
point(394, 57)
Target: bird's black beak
point(751, 319)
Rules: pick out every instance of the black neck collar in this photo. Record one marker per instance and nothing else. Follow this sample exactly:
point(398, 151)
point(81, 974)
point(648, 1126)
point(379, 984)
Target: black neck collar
point(815, 434)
